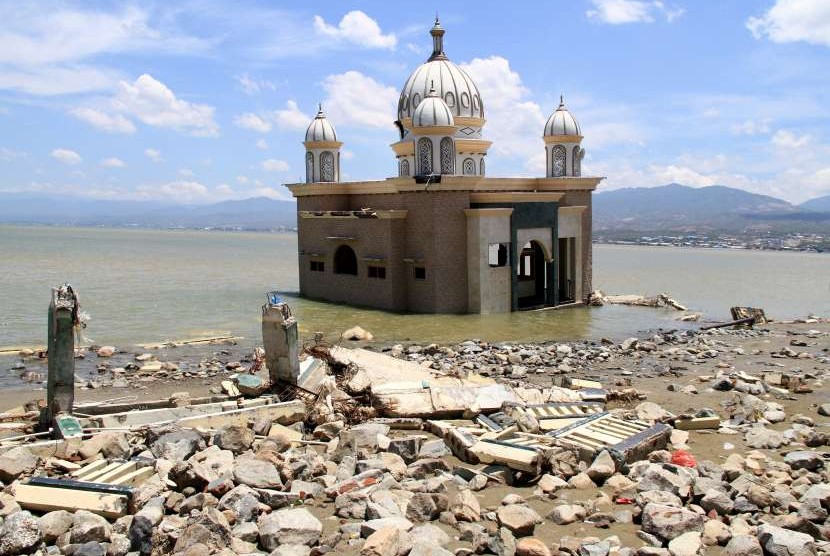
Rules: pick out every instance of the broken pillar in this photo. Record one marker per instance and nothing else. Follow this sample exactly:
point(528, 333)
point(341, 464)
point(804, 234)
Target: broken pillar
point(281, 340)
point(60, 385)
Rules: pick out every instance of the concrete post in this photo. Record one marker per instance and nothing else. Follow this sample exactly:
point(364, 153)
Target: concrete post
point(281, 341)
point(60, 385)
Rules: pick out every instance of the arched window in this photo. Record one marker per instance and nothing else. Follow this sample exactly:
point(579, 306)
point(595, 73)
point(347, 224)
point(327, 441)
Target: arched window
point(404, 167)
point(309, 167)
point(447, 156)
point(481, 164)
point(558, 162)
point(577, 161)
point(469, 167)
point(424, 156)
point(345, 261)
point(326, 166)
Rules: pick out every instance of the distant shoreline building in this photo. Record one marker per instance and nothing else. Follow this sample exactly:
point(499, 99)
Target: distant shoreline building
point(441, 237)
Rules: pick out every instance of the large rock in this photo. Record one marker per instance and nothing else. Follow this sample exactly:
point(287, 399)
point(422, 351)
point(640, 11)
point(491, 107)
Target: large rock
point(465, 506)
point(804, 459)
point(357, 334)
point(236, 438)
point(177, 445)
point(89, 527)
point(257, 473)
point(760, 437)
point(669, 478)
point(778, 541)
point(650, 411)
point(296, 526)
point(687, 544)
point(54, 524)
point(388, 541)
point(20, 533)
point(567, 513)
point(718, 501)
point(425, 547)
point(744, 545)
point(602, 467)
point(16, 462)
point(531, 546)
point(669, 522)
point(518, 519)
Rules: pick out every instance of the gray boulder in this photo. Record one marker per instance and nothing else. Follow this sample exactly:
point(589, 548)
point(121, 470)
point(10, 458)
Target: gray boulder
point(804, 459)
point(744, 545)
point(54, 524)
point(669, 522)
point(236, 438)
point(177, 445)
point(518, 519)
point(19, 533)
point(296, 526)
point(16, 462)
point(89, 527)
point(257, 473)
point(778, 541)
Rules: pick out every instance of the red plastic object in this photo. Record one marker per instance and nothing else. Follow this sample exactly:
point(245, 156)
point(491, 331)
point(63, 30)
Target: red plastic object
point(683, 459)
point(625, 500)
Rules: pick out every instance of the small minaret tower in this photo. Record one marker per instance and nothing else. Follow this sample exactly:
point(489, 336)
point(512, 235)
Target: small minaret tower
point(563, 139)
point(322, 156)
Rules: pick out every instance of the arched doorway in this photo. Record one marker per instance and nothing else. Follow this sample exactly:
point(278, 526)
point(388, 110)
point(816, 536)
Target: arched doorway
point(345, 261)
point(531, 275)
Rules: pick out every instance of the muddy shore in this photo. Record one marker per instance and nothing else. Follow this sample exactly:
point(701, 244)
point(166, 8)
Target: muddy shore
point(677, 371)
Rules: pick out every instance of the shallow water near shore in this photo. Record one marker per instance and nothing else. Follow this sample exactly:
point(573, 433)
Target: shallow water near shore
point(154, 285)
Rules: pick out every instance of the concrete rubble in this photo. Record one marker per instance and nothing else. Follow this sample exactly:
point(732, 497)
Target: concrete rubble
point(474, 448)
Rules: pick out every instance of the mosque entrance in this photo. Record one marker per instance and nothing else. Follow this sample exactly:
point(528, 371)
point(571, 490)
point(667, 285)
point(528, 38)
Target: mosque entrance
point(531, 274)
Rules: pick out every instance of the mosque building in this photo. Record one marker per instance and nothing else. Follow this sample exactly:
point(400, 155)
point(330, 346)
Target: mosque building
point(441, 236)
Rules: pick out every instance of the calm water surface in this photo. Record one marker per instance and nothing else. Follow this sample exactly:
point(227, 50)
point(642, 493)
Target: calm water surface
point(156, 285)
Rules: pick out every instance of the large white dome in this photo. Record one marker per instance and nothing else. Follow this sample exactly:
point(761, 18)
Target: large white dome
point(562, 122)
point(452, 84)
point(320, 128)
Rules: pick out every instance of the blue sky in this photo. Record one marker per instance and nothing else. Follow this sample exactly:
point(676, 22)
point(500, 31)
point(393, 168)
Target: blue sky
point(203, 101)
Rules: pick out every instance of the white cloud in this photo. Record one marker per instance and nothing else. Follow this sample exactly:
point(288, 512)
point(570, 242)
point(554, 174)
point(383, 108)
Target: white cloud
point(619, 12)
point(270, 192)
point(251, 121)
point(52, 81)
point(113, 163)
point(357, 28)
point(792, 21)
point(186, 172)
point(111, 123)
point(243, 180)
point(44, 50)
point(514, 122)
point(181, 191)
point(357, 99)
point(152, 102)
point(789, 140)
point(274, 165)
point(153, 154)
point(752, 127)
point(253, 86)
point(291, 117)
point(7, 154)
point(262, 144)
point(66, 156)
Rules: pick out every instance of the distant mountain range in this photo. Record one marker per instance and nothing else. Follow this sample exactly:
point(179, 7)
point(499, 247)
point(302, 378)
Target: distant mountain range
point(673, 207)
point(257, 213)
point(680, 208)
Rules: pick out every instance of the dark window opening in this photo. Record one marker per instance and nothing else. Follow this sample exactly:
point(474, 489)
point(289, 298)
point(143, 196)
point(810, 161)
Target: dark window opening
point(377, 272)
point(497, 254)
point(420, 273)
point(318, 266)
point(345, 261)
